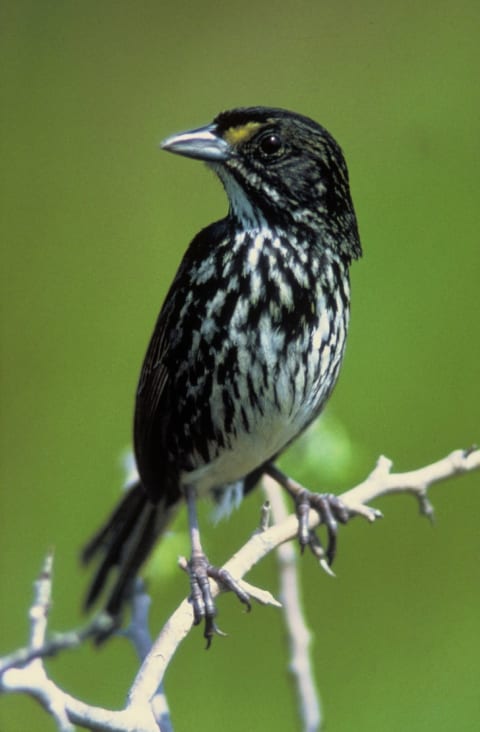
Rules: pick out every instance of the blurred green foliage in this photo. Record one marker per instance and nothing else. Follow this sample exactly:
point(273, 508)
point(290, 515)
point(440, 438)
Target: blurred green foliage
point(94, 221)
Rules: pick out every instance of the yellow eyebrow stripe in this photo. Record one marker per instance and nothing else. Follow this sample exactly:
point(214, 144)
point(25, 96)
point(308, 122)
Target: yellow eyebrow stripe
point(242, 133)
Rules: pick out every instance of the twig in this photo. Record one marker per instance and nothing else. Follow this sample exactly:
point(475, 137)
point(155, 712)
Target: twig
point(299, 636)
point(382, 482)
point(139, 634)
point(35, 680)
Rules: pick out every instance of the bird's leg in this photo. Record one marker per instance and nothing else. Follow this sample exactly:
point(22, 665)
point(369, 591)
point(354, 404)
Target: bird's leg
point(200, 570)
point(202, 600)
point(328, 506)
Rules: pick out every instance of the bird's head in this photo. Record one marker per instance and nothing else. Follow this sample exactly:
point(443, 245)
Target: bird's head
point(279, 169)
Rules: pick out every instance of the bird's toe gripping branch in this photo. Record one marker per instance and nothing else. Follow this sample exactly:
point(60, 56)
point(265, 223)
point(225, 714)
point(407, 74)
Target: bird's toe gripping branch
point(204, 608)
point(331, 510)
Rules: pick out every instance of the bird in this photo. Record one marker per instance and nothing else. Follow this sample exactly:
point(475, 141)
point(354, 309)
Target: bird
point(246, 349)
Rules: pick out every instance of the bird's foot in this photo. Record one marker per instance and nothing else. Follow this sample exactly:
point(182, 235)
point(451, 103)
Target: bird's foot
point(331, 510)
point(204, 608)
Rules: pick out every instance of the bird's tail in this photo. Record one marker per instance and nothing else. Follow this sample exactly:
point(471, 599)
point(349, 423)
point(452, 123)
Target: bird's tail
point(122, 545)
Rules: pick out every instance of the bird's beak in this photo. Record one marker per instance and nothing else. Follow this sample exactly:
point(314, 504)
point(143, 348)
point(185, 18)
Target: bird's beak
point(203, 144)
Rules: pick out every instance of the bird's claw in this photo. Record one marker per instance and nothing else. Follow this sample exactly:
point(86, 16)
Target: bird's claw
point(204, 608)
point(332, 511)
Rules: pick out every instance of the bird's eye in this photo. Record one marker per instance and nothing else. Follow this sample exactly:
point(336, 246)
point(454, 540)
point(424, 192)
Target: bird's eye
point(271, 144)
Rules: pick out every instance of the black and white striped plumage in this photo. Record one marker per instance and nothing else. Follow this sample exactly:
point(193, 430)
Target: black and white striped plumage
point(250, 339)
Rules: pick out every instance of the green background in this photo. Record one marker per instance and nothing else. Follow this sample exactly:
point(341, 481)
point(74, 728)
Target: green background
point(94, 221)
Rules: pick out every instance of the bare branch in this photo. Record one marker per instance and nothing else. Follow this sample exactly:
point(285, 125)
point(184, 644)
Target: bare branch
point(380, 482)
point(56, 643)
point(24, 672)
point(139, 634)
point(35, 680)
point(299, 637)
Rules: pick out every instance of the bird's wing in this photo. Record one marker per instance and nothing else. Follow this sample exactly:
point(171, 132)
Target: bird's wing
point(157, 401)
point(154, 373)
point(153, 409)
